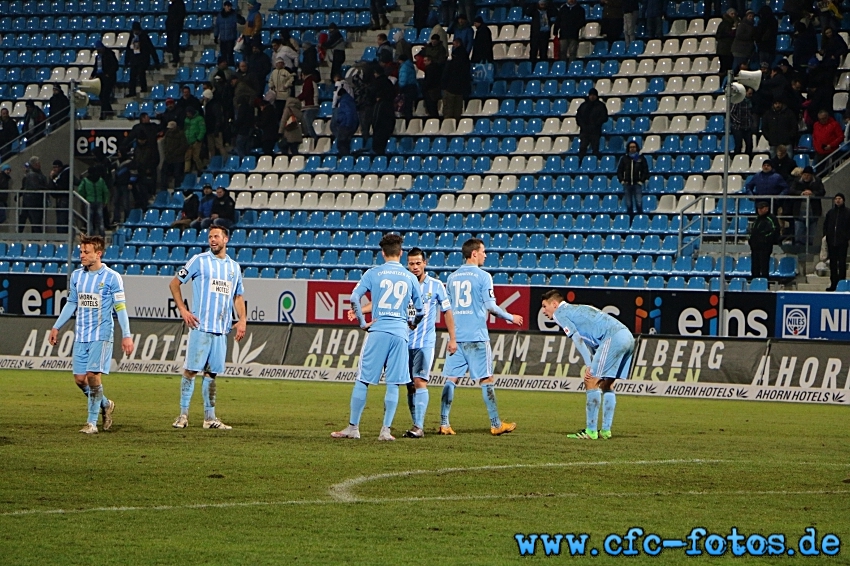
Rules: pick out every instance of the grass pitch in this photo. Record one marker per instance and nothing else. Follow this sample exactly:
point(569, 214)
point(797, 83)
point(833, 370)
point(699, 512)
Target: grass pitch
point(278, 490)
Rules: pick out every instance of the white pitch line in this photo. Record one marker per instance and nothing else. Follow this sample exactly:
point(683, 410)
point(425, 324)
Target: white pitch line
point(342, 491)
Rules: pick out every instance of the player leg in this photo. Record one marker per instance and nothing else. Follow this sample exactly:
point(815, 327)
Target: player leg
point(411, 387)
point(456, 366)
point(97, 364)
point(369, 371)
point(397, 374)
point(197, 353)
point(215, 365)
point(81, 358)
point(594, 395)
point(421, 369)
point(481, 369)
point(620, 356)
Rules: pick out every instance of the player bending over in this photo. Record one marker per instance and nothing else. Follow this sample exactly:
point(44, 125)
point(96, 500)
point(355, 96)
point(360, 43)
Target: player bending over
point(385, 346)
point(470, 291)
point(606, 346)
point(216, 290)
point(95, 291)
point(422, 339)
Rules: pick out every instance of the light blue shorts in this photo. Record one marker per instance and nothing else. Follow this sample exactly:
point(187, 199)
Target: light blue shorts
point(383, 350)
point(613, 357)
point(420, 362)
point(206, 352)
point(94, 357)
point(474, 357)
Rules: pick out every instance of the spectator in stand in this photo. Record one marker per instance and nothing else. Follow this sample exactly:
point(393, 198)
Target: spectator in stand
point(541, 16)
point(253, 26)
point(60, 181)
point(829, 14)
point(267, 122)
point(244, 83)
point(214, 121)
point(186, 101)
point(432, 88)
point(744, 125)
point(654, 15)
point(447, 12)
point(309, 58)
point(259, 64)
point(378, 9)
point(383, 92)
point(174, 150)
point(224, 31)
point(59, 105)
point(482, 44)
point(806, 213)
point(408, 86)
point(345, 121)
point(779, 127)
point(784, 164)
point(335, 49)
point(766, 182)
point(725, 36)
point(144, 125)
point(205, 207)
point(8, 133)
point(280, 83)
point(196, 131)
point(630, 16)
point(464, 32)
point(436, 50)
point(34, 122)
point(402, 46)
point(105, 69)
point(590, 117)
point(457, 82)
point(291, 127)
point(5, 189)
point(777, 86)
point(827, 136)
point(805, 45)
point(171, 114)
point(766, 33)
point(833, 48)
point(764, 233)
point(633, 172)
point(798, 10)
point(384, 46)
point(243, 123)
point(612, 19)
point(34, 197)
point(221, 70)
point(123, 183)
point(189, 213)
point(138, 55)
point(223, 210)
point(174, 21)
point(309, 98)
point(146, 156)
point(836, 230)
point(744, 43)
point(421, 8)
point(93, 189)
point(441, 33)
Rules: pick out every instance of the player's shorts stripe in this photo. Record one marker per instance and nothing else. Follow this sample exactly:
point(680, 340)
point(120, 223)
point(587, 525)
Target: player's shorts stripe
point(360, 361)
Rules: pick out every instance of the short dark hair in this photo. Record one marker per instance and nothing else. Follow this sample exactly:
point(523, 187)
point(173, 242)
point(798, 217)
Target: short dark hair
point(391, 245)
point(553, 294)
point(97, 242)
point(417, 251)
point(470, 246)
point(220, 227)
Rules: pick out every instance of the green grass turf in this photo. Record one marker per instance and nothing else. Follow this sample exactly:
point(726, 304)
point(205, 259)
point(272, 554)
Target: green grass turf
point(273, 476)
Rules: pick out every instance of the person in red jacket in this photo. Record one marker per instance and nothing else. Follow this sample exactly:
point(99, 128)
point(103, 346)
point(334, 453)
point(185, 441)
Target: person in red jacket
point(827, 135)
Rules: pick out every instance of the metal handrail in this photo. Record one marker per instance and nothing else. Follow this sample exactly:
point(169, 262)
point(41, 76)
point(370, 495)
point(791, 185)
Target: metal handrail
point(6, 151)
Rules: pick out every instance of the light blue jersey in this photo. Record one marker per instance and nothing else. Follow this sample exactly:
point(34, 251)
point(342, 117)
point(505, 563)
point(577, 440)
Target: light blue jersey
point(434, 298)
point(393, 288)
point(589, 322)
point(94, 294)
point(215, 283)
point(605, 344)
point(470, 291)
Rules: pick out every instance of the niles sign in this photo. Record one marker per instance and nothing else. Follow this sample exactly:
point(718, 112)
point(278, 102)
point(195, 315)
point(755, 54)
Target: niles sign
point(824, 316)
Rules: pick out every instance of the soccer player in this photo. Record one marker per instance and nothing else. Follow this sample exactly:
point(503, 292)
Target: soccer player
point(606, 346)
point(423, 339)
point(216, 290)
point(95, 291)
point(385, 346)
point(470, 291)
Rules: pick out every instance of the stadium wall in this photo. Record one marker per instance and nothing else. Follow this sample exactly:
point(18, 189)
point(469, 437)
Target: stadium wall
point(662, 366)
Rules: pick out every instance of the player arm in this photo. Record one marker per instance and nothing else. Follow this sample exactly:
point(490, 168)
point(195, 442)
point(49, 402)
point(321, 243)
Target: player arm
point(490, 305)
point(367, 308)
point(176, 293)
point(450, 324)
point(582, 348)
point(356, 294)
point(417, 304)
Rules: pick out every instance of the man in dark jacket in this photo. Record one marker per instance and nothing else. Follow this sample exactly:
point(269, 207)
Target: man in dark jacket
point(105, 69)
point(633, 171)
point(189, 212)
point(60, 179)
point(225, 32)
point(745, 41)
point(34, 197)
point(35, 122)
point(259, 64)
point(432, 88)
point(763, 235)
point(766, 32)
point(204, 207)
point(806, 213)
point(145, 125)
point(146, 157)
point(174, 27)
point(186, 101)
point(590, 117)
point(138, 55)
point(725, 35)
point(59, 104)
point(5, 189)
point(779, 127)
point(571, 19)
point(767, 182)
point(9, 132)
point(541, 15)
point(383, 92)
point(223, 210)
point(482, 44)
point(457, 82)
point(836, 229)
